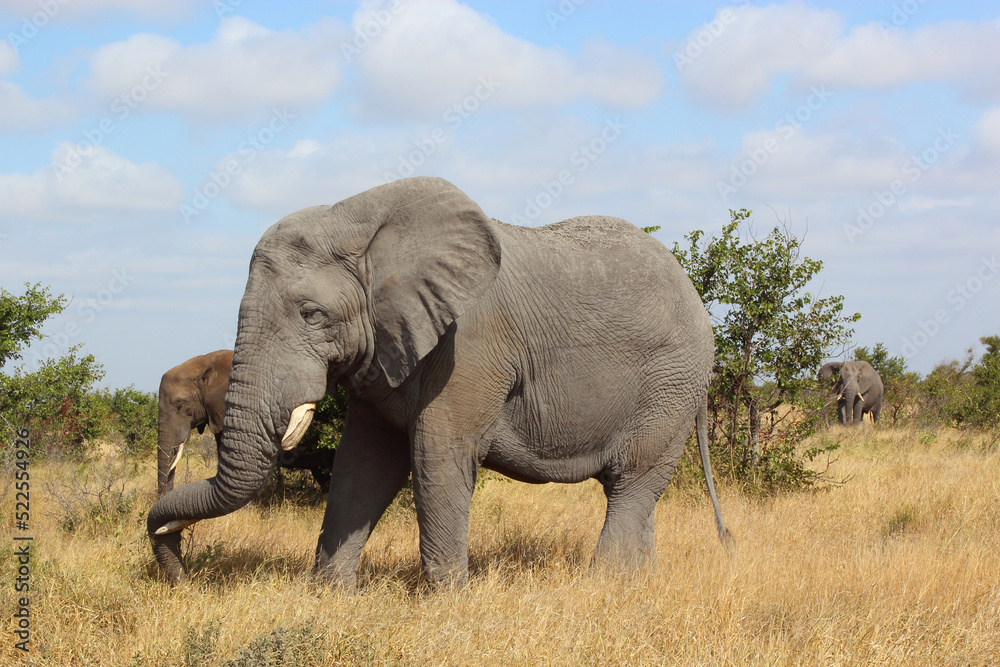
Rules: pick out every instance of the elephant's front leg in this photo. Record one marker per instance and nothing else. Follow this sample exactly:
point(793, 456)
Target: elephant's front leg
point(859, 410)
point(371, 466)
point(444, 477)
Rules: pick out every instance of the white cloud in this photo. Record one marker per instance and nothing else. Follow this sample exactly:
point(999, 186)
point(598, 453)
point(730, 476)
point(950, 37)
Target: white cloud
point(432, 55)
point(101, 187)
point(20, 112)
point(732, 61)
point(8, 58)
point(987, 132)
point(311, 173)
point(957, 52)
point(500, 171)
point(243, 70)
point(732, 67)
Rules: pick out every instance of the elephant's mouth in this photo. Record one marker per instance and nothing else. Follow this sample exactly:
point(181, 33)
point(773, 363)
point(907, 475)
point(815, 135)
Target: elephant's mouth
point(298, 423)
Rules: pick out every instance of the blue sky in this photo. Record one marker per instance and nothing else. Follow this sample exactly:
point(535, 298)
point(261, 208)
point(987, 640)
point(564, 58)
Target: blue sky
point(145, 146)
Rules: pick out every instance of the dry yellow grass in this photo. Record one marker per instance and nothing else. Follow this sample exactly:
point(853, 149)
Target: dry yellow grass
point(899, 566)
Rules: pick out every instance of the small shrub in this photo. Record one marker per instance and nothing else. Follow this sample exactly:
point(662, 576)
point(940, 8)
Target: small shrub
point(96, 493)
point(199, 647)
point(904, 519)
point(302, 645)
point(290, 485)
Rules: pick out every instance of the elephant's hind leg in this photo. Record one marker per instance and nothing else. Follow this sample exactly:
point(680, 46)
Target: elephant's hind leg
point(628, 535)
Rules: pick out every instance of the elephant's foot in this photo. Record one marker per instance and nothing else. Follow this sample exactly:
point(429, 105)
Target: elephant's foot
point(329, 574)
point(167, 550)
point(447, 575)
point(624, 551)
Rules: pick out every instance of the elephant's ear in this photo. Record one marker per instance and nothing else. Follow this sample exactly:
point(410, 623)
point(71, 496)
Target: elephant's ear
point(213, 383)
point(830, 370)
point(432, 259)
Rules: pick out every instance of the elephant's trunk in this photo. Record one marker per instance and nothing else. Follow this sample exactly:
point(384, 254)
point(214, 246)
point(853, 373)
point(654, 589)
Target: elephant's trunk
point(164, 456)
point(246, 456)
point(171, 433)
point(850, 395)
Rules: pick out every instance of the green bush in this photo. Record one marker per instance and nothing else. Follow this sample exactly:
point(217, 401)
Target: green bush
point(981, 405)
point(56, 403)
point(328, 422)
point(132, 415)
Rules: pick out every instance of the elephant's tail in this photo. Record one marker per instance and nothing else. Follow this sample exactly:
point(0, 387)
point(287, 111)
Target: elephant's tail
point(701, 425)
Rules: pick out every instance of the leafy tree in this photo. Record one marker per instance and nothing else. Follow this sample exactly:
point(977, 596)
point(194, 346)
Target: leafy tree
point(941, 394)
point(771, 334)
point(982, 408)
point(21, 318)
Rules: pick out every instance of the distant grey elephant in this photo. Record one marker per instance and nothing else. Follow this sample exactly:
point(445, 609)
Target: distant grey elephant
point(575, 351)
point(193, 395)
point(858, 388)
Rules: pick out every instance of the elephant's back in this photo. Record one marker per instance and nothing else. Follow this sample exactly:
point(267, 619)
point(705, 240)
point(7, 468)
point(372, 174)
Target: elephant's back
point(603, 259)
point(604, 277)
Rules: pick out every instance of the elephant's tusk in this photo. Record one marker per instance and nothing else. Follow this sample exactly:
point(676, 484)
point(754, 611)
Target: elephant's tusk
point(177, 459)
point(297, 425)
point(861, 396)
point(175, 525)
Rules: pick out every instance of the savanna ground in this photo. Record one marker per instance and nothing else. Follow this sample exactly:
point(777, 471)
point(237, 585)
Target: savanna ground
point(899, 565)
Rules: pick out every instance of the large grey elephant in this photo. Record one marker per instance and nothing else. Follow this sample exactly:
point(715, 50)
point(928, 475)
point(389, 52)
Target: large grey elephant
point(570, 352)
point(858, 388)
point(192, 396)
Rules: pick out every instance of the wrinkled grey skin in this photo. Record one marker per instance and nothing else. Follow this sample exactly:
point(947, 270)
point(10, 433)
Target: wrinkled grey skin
point(193, 395)
point(570, 352)
point(858, 388)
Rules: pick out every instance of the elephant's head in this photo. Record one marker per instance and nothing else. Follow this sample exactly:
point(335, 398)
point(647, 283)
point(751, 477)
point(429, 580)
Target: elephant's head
point(357, 292)
point(192, 395)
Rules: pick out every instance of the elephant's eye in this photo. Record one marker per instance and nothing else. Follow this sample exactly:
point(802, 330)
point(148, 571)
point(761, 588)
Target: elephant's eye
point(312, 314)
